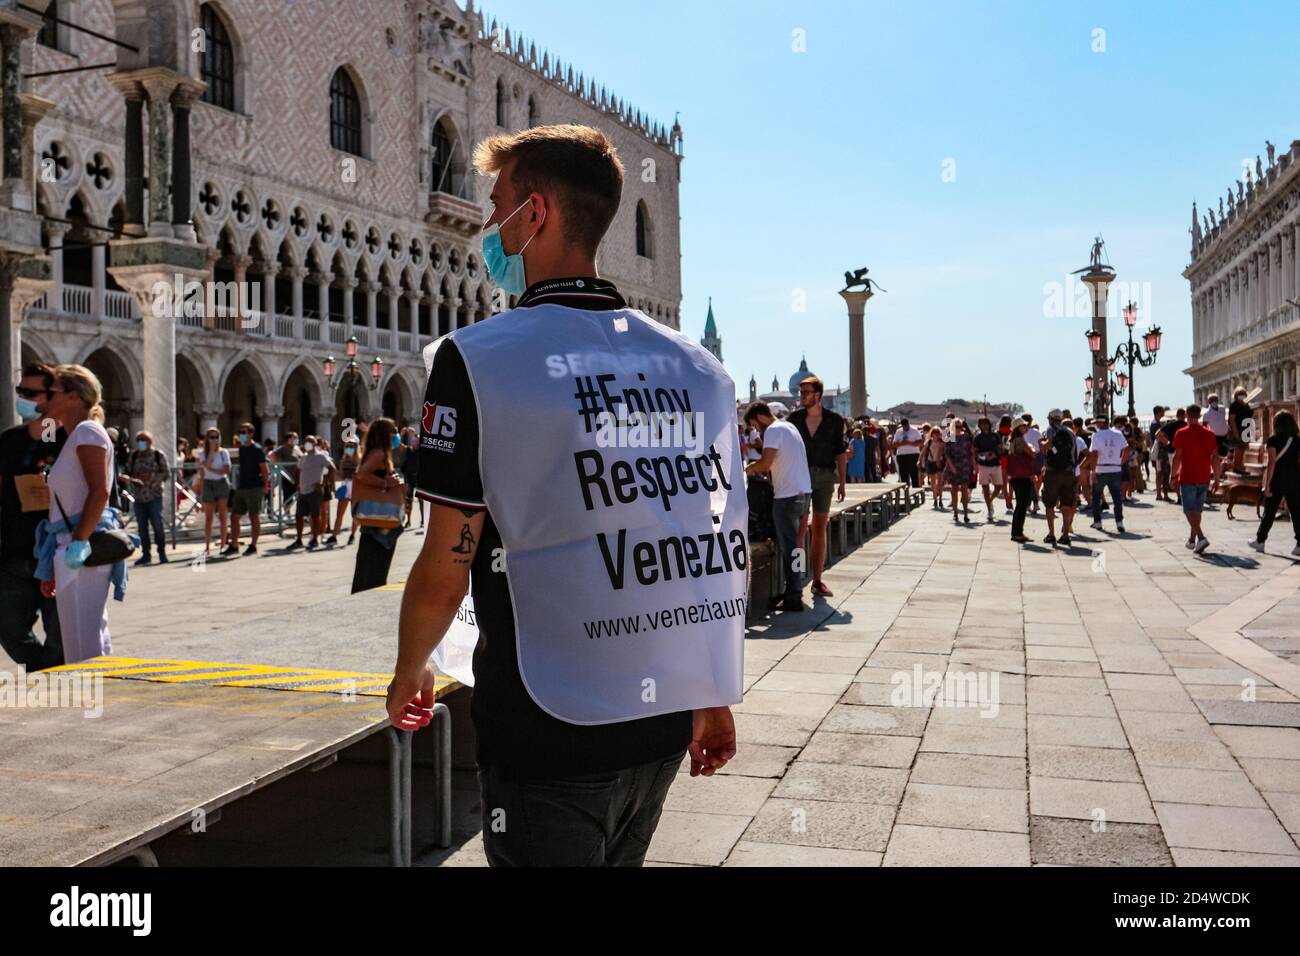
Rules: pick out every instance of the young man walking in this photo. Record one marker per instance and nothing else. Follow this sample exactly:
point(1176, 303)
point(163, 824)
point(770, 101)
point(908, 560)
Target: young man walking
point(988, 464)
point(785, 458)
point(608, 578)
point(1060, 477)
point(907, 452)
point(822, 431)
point(1195, 450)
point(1108, 460)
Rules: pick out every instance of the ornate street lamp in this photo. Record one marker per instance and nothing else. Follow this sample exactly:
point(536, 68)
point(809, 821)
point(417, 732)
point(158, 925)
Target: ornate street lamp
point(1132, 354)
point(1087, 383)
point(352, 368)
point(1094, 340)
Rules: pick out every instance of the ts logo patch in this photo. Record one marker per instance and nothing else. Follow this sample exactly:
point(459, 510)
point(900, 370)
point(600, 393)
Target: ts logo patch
point(439, 421)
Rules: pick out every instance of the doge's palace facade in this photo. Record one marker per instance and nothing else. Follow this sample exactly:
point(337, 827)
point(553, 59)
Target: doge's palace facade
point(1245, 283)
point(330, 176)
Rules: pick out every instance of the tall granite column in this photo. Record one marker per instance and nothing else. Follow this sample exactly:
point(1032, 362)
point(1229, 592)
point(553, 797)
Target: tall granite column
point(857, 303)
point(1098, 282)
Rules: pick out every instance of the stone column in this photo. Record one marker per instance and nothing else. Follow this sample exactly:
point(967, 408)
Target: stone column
point(325, 426)
point(857, 303)
point(135, 416)
point(24, 278)
point(1295, 259)
point(56, 232)
point(323, 303)
point(371, 289)
point(413, 305)
point(241, 264)
point(182, 197)
point(347, 284)
point(1288, 264)
point(145, 267)
point(15, 192)
point(98, 281)
point(267, 294)
point(297, 274)
point(133, 144)
point(271, 415)
point(159, 88)
point(392, 292)
point(1098, 283)
point(208, 415)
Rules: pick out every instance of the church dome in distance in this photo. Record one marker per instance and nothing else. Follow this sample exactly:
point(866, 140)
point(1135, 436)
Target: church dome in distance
point(799, 376)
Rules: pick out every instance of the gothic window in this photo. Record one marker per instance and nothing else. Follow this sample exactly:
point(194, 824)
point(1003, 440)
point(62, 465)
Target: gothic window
point(447, 174)
point(532, 112)
point(218, 64)
point(345, 113)
point(644, 237)
point(49, 32)
point(501, 102)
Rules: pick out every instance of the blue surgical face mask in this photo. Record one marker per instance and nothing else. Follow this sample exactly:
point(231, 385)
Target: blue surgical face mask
point(506, 271)
point(397, 441)
point(27, 409)
point(142, 445)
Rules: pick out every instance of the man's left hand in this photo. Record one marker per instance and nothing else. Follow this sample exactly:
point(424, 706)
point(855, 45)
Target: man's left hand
point(840, 494)
point(410, 699)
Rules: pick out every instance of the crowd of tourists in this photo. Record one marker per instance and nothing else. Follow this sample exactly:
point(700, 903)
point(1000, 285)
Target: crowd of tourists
point(1069, 464)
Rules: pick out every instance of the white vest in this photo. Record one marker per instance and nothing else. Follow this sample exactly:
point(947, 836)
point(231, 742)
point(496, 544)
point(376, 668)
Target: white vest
point(626, 564)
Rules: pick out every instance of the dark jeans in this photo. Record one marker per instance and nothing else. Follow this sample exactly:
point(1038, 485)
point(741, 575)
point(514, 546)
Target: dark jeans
point(373, 562)
point(20, 602)
point(908, 469)
point(150, 514)
point(1024, 491)
point(600, 819)
point(786, 513)
point(1113, 480)
point(1272, 503)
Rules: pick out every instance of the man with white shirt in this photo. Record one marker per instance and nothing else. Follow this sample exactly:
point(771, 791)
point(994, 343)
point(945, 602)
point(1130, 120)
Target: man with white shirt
point(1108, 458)
point(785, 457)
point(1034, 439)
point(1215, 418)
point(907, 450)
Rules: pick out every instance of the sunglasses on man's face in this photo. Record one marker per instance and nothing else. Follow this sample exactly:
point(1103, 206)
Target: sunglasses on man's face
point(32, 392)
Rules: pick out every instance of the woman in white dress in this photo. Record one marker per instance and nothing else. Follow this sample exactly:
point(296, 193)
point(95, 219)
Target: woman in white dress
point(80, 480)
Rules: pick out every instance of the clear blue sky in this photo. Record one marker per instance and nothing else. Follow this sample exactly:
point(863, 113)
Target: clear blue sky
point(802, 165)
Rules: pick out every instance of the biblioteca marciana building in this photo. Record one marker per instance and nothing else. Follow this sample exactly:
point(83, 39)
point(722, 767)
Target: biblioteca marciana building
point(1245, 278)
point(316, 153)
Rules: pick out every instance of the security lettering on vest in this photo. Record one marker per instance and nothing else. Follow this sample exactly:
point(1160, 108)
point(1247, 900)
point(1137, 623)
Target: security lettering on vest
point(595, 530)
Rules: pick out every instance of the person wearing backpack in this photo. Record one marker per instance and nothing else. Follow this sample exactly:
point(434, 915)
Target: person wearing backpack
point(1281, 478)
point(1060, 483)
point(148, 475)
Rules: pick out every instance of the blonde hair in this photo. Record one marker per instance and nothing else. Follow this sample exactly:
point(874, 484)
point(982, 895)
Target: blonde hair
point(82, 381)
point(578, 165)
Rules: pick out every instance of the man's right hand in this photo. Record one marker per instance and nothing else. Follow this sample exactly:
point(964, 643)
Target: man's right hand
point(713, 740)
point(47, 588)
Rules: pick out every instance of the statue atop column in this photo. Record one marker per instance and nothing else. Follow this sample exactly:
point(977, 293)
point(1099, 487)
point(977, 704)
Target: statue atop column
point(1270, 150)
point(859, 277)
point(1095, 265)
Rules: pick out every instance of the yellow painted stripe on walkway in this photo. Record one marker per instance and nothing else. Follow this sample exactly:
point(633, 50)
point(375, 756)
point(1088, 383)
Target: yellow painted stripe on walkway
point(228, 674)
point(233, 672)
point(302, 676)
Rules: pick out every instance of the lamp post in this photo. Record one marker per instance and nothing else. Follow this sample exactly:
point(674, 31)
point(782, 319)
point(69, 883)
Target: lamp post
point(1132, 353)
point(352, 368)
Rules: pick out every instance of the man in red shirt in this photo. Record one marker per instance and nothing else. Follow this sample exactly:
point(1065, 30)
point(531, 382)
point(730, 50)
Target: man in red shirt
point(1196, 452)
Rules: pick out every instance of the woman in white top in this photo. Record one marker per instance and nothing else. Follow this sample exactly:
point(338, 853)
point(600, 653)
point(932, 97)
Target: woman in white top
point(79, 481)
point(215, 468)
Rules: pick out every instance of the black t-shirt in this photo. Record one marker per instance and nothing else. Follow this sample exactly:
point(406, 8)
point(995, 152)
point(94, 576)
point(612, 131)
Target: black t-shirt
point(988, 446)
point(829, 442)
point(1286, 469)
point(21, 454)
point(514, 734)
point(251, 458)
point(1171, 428)
point(1238, 411)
